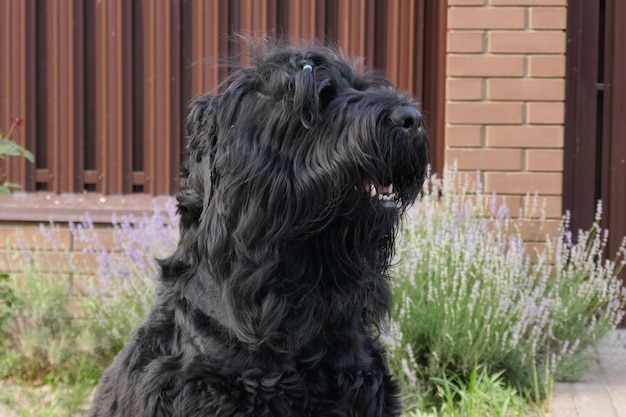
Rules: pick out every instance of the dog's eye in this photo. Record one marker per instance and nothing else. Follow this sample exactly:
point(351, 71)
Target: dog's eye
point(327, 94)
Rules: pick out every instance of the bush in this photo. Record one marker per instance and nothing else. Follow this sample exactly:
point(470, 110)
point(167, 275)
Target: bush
point(122, 290)
point(43, 340)
point(468, 296)
point(68, 330)
point(8, 301)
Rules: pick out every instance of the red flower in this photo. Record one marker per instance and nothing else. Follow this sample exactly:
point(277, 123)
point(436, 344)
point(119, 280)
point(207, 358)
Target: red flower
point(16, 121)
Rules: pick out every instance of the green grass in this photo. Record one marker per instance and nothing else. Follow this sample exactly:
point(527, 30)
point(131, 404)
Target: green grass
point(46, 400)
point(483, 394)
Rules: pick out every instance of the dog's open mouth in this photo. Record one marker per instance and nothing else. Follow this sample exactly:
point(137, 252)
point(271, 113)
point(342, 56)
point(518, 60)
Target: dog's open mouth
point(384, 195)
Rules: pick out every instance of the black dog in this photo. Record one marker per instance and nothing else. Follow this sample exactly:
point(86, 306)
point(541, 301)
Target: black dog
point(298, 174)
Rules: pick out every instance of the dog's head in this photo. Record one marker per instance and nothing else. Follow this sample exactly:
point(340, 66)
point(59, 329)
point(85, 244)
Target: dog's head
point(302, 166)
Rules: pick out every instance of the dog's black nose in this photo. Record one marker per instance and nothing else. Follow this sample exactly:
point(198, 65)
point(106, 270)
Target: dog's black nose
point(406, 117)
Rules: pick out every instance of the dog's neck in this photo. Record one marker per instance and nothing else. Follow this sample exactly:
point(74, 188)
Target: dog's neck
point(206, 296)
point(299, 321)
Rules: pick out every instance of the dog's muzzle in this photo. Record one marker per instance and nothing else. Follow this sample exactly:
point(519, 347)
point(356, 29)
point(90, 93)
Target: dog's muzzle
point(383, 194)
point(408, 118)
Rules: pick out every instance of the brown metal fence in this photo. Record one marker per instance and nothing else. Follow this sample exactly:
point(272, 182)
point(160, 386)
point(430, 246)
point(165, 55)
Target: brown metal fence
point(595, 122)
point(103, 84)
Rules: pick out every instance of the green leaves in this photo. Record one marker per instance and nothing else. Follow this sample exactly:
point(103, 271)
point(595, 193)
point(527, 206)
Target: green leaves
point(5, 188)
point(10, 148)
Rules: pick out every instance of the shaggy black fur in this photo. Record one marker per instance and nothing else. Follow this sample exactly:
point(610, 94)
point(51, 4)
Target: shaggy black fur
point(271, 304)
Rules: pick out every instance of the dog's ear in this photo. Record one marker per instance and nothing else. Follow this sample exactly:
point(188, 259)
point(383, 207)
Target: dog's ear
point(201, 127)
point(313, 91)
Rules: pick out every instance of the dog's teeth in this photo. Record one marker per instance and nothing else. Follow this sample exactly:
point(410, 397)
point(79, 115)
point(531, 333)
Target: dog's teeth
point(373, 191)
point(390, 188)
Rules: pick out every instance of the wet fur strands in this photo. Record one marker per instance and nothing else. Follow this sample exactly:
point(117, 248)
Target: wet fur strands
point(297, 176)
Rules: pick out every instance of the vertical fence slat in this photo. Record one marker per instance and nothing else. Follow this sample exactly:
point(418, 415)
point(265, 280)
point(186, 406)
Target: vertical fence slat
point(161, 95)
point(614, 125)
point(65, 77)
point(309, 18)
point(393, 38)
point(171, 179)
point(204, 26)
point(54, 58)
point(419, 24)
point(300, 19)
point(433, 67)
point(113, 86)
point(255, 20)
point(147, 78)
point(407, 60)
point(16, 73)
point(203, 44)
point(371, 26)
point(351, 26)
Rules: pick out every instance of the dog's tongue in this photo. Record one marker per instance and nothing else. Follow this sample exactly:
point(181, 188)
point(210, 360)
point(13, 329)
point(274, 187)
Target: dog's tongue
point(381, 192)
point(387, 189)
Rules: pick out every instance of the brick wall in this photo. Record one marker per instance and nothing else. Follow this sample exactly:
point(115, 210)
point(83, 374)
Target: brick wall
point(505, 97)
point(59, 248)
point(24, 245)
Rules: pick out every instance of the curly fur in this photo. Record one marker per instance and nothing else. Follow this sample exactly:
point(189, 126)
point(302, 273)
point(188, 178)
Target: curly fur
point(272, 302)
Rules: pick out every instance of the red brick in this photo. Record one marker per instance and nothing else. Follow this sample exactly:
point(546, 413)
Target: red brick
point(8, 263)
point(466, 41)
point(545, 113)
point(548, 17)
point(528, 2)
point(485, 159)
point(536, 250)
point(58, 262)
point(523, 182)
point(544, 160)
point(466, 136)
point(524, 136)
point(486, 18)
point(485, 66)
point(484, 113)
point(30, 237)
point(540, 89)
point(552, 205)
point(546, 66)
point(465, 89)
point(512, 202)
point(465, 2)
point(105, 236)
point(542, 42)
point(23, 278)
point(537, 230)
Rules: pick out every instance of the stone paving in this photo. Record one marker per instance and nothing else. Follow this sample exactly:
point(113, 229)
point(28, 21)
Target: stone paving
point(602, 393)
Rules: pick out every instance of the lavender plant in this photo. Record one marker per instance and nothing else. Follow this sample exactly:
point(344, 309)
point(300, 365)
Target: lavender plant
point(468, 295)
point(117, 297)
point(71, 328)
